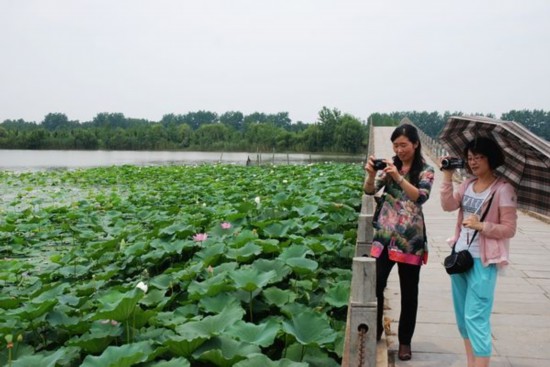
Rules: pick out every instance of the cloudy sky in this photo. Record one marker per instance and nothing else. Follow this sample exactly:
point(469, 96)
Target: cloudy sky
point(148, 58)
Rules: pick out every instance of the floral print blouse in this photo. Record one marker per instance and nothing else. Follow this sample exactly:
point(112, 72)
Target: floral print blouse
point(400, 226)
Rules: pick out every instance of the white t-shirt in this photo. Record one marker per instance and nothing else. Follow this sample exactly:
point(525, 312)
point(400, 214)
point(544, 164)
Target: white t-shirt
point(471, 204)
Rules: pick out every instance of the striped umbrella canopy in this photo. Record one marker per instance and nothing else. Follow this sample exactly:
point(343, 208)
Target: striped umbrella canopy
point(527, 157)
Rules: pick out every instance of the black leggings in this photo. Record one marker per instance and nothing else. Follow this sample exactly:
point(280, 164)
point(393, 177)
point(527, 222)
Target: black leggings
point(409, 276)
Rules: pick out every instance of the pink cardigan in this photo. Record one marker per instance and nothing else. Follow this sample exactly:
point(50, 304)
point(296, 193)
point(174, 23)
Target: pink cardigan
point(499, 224)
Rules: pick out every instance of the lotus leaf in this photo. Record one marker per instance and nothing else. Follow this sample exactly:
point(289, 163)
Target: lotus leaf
point(279, 229)
point(211, 253)
point(276, 265)
point(279, 297)
point(7, 302)
point(244, 237)
point(212, 325)
point(302, 266)
point(174, 362)
point(32, 311)
point(74, 324)
point(162, 281)
point(184, 346)
point(118, 306)
point(124, 356)
point(255, 360)
point(245, 253)
point(295, 251)
point(210, 287)
point(262, 335)
point(217, 303)
point(338, 296)
point(45, 359)
point(177, 317)
point(250, 279)
point(309, 329)
point(181, 230)
point(312, 355)
point(224, 352)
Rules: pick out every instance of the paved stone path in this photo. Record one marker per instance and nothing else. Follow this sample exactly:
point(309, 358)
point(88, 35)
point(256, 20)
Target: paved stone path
point(521, 314)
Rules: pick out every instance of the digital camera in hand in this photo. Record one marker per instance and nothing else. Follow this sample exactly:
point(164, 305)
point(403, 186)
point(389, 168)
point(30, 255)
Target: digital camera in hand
point(378, 164)
point(452, 163)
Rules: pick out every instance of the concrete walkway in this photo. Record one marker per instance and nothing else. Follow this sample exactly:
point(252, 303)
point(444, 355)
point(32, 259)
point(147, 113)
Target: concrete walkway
point(521, 314)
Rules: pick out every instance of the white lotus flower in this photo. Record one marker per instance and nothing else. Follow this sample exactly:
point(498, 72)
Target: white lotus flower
point(257, 200)
point(142, 286)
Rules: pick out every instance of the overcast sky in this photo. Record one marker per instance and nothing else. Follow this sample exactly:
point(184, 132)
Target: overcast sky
point(149, 58)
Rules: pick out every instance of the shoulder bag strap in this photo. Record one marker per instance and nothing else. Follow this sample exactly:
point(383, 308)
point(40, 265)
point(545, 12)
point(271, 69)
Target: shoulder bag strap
point(482, 217)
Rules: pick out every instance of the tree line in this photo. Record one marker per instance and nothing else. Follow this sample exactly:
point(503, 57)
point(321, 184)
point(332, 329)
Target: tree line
point(431, 123)
point(333, 131)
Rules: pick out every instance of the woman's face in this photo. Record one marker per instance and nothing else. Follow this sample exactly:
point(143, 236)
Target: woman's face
point(478, 163)
point(404, 149)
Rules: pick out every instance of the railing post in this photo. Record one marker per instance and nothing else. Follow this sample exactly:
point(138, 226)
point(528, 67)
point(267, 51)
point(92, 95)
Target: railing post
point(363, 308)
point(364, 226)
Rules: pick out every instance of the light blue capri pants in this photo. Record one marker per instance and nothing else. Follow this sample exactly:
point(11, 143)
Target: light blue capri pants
point(473, 295)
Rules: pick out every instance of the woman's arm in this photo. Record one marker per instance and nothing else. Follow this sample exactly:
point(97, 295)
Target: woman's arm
point(507, 215)
point(506, 228)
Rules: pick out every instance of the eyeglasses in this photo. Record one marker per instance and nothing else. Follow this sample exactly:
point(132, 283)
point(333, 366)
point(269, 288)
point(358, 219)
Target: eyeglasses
point(476, 158)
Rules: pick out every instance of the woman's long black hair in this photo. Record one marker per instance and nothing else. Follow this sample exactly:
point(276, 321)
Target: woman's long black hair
point(417, 166)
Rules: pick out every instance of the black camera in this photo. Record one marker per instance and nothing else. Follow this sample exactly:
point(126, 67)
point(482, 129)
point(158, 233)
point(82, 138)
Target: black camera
point(378, 164)
point(452, 163)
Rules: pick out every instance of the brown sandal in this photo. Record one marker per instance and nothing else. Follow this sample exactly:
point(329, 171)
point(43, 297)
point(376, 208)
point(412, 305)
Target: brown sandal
point(404, 353)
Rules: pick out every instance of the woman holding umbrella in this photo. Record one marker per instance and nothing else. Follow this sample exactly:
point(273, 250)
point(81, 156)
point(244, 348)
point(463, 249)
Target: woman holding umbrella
point(487, 241)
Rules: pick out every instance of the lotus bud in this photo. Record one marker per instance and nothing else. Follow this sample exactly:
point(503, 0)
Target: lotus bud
point(142, 286)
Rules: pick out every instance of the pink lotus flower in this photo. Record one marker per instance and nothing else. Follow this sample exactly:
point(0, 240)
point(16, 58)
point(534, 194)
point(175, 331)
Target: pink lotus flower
point(226, 225)
point(200, 237)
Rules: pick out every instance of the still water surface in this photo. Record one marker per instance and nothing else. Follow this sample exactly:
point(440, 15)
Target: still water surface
point(28, 160)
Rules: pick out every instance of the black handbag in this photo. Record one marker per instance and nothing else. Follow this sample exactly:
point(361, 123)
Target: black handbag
point(462, 261)
point(458, 262)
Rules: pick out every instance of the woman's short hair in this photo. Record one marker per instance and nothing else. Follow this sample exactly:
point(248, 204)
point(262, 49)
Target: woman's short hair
point(486, 147)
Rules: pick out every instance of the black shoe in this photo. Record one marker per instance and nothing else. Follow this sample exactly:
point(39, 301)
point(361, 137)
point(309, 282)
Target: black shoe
point(404, 352)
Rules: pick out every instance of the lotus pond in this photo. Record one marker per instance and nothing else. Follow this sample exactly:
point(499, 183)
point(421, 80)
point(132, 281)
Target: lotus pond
point(209, 265)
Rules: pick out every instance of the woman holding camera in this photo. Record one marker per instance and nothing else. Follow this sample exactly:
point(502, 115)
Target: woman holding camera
point(473, 291)
point(399, 235)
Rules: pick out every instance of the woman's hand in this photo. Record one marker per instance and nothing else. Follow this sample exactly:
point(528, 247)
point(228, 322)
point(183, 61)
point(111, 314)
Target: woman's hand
point(392, 170)
point(472, 222)
point(369, 166)
point(447, 173)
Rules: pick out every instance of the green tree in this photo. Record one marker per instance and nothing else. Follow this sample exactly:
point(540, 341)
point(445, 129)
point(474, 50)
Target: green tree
point(328, 121)
point(211, 136)
point(233, 119)
point(349, 135)
point(35, 139)
point(199, 118)
point(85, 139)
point(110, 120)
point(55, 121)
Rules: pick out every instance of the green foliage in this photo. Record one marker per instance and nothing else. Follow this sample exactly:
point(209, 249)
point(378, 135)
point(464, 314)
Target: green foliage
point(431, 123)
point(267, 283)
point(201, 130)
